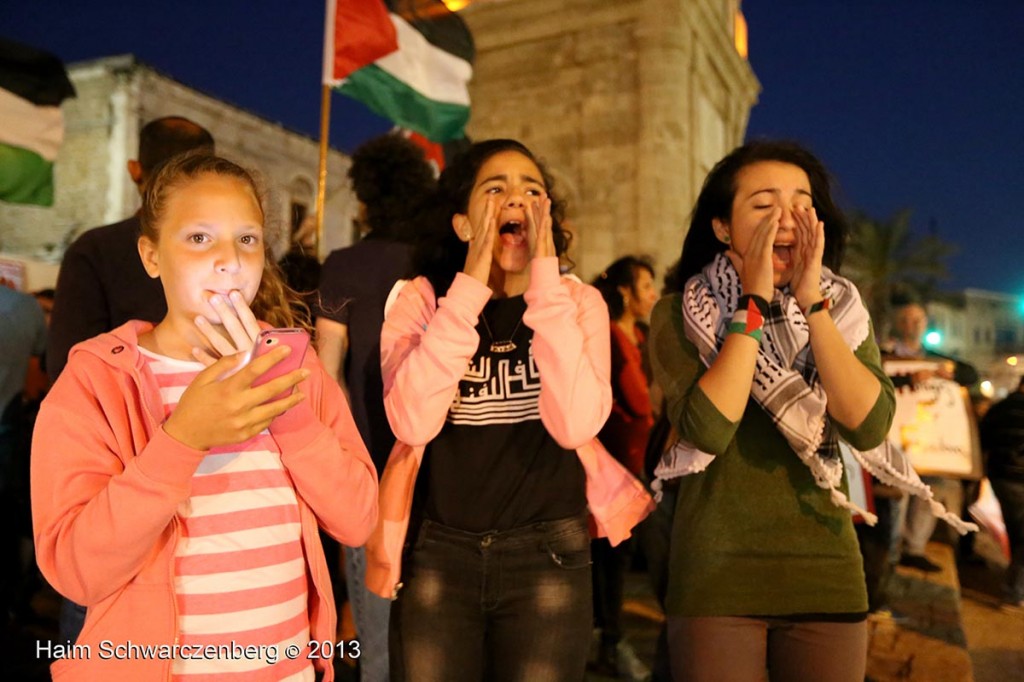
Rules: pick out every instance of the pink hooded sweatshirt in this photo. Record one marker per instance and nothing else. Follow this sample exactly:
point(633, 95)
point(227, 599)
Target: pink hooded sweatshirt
point(106, 485)
point(426, 345)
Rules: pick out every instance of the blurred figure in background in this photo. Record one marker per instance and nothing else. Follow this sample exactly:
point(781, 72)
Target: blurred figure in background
point(300, 266)
point(627, 286)
point(910, 325)
point(1002, 438)
point(22, 336)
point(102, 283)
point(391, 179)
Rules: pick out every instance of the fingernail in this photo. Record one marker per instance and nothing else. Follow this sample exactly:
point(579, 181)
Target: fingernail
point(216, 298)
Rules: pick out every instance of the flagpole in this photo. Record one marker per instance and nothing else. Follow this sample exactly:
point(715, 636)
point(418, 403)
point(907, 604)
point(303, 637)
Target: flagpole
point(321, 180)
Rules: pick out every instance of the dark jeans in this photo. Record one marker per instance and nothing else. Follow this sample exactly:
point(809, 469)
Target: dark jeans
point(654, 535)
point(879, 547)
point(609, 577)
point(1010, 494)
point(512, 605)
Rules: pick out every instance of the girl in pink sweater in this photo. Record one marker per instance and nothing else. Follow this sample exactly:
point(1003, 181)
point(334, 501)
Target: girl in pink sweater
point(496, 379)
point(176, 500)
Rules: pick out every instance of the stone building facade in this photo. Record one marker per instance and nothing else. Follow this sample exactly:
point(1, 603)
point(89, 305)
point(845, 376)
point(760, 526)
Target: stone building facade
point(630, 103)
point(116, 97)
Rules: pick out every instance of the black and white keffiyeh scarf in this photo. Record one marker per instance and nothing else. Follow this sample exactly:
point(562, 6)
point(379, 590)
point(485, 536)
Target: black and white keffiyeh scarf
point(786, 383)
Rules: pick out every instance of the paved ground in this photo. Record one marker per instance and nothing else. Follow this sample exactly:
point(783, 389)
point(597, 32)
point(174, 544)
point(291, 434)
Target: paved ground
point(945, 627)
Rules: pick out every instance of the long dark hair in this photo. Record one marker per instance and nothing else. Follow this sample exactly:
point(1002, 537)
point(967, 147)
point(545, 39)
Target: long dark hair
point(716, 198)
point(622, 273)
point(440, 254)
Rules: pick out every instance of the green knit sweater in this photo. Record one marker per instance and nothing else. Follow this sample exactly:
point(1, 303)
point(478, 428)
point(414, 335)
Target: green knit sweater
point(753, 535)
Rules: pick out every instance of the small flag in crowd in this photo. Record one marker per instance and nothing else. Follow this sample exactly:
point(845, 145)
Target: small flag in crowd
point(33, 83)
point(407, 60)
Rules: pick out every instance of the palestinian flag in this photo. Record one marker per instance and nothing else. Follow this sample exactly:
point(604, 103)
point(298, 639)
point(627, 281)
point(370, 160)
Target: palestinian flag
point(32, 86)
point(408, 60)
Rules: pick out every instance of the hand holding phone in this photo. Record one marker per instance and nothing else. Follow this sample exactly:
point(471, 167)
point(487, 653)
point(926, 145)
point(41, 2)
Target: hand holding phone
point(268, 340)
point(209, 412)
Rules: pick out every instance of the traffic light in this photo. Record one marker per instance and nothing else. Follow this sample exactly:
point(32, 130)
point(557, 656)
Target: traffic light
point(933, 339)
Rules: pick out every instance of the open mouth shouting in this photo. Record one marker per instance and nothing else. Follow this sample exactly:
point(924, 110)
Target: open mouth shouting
point(782, 256)
point(513, 233)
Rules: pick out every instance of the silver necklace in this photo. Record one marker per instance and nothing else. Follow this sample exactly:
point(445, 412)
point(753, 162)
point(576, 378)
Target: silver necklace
point(506, 346)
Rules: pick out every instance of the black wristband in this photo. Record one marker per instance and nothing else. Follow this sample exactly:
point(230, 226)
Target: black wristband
point(760, 302)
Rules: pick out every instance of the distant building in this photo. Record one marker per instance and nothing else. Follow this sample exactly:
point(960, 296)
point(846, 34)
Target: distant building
point(630, 102)
point(986, 329)
point(116, 97)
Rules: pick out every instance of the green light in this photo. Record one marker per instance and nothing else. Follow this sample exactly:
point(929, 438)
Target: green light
point(933, 339)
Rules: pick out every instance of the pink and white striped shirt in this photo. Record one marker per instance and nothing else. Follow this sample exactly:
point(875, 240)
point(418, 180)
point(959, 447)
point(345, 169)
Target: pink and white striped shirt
point(239, 568)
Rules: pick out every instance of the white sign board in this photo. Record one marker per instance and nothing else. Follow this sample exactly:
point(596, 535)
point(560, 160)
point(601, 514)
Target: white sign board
point(934, 423)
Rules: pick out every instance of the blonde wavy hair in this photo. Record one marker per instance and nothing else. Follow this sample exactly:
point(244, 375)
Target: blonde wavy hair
point(275, 303)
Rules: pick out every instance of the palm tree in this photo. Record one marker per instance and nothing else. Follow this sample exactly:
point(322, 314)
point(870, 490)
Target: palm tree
point(885, 259)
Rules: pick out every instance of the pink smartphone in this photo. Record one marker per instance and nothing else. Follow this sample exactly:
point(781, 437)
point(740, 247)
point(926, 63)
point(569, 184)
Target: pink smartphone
point(268, 340)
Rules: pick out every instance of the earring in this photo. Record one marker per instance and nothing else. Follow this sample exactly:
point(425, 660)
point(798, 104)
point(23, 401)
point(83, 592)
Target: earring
point(726, 239)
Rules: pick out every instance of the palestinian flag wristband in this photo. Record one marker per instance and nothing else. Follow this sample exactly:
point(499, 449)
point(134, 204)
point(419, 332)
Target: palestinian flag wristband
point(751, 310)
point(824, 304)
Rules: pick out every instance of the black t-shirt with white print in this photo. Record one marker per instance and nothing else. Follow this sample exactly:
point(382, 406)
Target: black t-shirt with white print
point(494, 466)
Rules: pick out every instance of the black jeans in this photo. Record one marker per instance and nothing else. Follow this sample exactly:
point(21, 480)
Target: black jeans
point(609, 578)
point(503, 606)
point(1010, 494)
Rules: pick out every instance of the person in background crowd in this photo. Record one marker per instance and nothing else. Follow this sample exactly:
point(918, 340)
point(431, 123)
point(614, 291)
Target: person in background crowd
point(496, 378)
point(22, 337)
point(300, 265)
point(1002, 439)
point(765, 356)
point(627, 286)
point(910, 327)
point(174, 495)
point(102, 285)
point(391, 179)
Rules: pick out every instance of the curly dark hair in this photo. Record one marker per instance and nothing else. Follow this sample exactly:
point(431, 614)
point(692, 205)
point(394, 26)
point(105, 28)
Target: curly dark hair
point(716, 196)
point(440, 254)
point(392, 178)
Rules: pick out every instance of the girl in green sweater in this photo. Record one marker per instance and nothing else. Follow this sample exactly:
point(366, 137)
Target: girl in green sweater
point(766, 356)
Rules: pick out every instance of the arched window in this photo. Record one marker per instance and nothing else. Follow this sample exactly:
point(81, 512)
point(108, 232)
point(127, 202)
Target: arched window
point(301, 195)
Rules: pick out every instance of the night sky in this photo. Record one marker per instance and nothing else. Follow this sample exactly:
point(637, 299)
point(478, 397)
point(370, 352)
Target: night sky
point(912, 104)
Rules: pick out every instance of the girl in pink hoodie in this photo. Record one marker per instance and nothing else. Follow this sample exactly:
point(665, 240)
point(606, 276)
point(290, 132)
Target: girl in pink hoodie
point(176, 500)
point(496, 379)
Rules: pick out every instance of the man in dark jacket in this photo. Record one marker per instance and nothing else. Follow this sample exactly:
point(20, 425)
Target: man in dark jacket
point(102, 284)
point(1002, 438)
